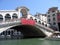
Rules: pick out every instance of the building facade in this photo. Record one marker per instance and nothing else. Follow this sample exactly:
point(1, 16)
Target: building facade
point(51, 18)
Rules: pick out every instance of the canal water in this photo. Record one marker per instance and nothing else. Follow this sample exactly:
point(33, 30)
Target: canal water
point(33, 41)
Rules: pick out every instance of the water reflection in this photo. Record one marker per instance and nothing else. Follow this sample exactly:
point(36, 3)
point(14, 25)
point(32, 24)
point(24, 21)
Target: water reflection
point(49, 42)
point(11, 34)
point(34, 41)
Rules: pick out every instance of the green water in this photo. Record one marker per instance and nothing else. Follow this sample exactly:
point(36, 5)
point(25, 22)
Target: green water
point(35, 41)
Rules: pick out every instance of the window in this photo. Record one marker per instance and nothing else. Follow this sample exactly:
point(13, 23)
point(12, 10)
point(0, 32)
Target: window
point(53, 15)
point(50, 23)
point(7, 17)
point(31, 18)
point(14, 16)
point(48, 12)
point(54, 23)
point(46, 25)
point(1, 17)
point(53, 11)
point(58, 15)
point(48, 15)
point(53, 19)
point(36, 20)
point(49, 20)
point(42, 23)
point(39, 22)
point(45, 15)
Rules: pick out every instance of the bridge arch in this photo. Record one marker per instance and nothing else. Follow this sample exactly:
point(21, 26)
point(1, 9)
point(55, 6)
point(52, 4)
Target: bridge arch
point(39, 22)
point(31, 18)
point(7, 17)
point(28, 31)
point(36, 20)
point(14, 16)
point(1, 17)
point(23, 11)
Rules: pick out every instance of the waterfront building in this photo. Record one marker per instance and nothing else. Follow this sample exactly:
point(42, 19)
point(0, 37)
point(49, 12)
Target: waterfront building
point(51, 19)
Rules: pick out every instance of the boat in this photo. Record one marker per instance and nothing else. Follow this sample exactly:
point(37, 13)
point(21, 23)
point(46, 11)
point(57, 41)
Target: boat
point(54, 36)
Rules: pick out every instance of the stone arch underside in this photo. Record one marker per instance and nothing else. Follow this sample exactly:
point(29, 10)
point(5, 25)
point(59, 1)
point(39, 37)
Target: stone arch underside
point(29, 31)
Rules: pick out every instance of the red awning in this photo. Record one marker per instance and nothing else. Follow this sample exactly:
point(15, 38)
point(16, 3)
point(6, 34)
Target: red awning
point(27, 22)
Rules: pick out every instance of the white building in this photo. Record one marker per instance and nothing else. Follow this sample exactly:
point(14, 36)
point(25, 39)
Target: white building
point(7, 15)
point(42, 18)
point(50, 18)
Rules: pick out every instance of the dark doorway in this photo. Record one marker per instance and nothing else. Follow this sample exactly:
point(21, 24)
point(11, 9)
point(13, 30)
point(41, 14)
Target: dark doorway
point(59, 26)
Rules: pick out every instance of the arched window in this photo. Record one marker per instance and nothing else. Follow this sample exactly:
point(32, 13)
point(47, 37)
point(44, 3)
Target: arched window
point(36, 20)
point(1, 17)
point(14, 16)
point(46, 25)
point(39, 22)
point(42, 23)
point(31, 18)
point(7, 17)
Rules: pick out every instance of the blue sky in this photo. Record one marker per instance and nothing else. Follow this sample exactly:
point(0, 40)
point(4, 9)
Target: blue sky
point(40, 6)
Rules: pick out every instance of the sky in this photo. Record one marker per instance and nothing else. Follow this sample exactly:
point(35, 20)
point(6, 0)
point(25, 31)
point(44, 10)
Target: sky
point(40, 6)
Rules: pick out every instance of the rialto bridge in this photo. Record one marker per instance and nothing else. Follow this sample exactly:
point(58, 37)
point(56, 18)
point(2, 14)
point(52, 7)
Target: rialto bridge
point(11, 24)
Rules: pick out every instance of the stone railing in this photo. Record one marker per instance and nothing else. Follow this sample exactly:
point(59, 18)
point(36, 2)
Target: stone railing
point(46, 28)
point(10, 21)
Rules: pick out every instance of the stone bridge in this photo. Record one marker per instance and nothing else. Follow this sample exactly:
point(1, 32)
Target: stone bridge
point(10, 20)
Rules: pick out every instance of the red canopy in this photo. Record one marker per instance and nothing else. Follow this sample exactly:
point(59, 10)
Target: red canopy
point(27, 22)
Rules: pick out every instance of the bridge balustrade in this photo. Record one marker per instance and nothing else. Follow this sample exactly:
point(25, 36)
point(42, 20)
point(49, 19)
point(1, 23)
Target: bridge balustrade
point(45, 28)
point(10, 21)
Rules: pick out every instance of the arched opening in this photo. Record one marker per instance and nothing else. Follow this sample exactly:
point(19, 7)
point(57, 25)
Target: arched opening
point(42, 23)
point(46, 25)
point(1, 18)
point(24, 13)
point(36, 20)
point(31, 18)
point(39, 22)
point(14, 16)
point(11, 34)
point(23, 31)
point(7, 17)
